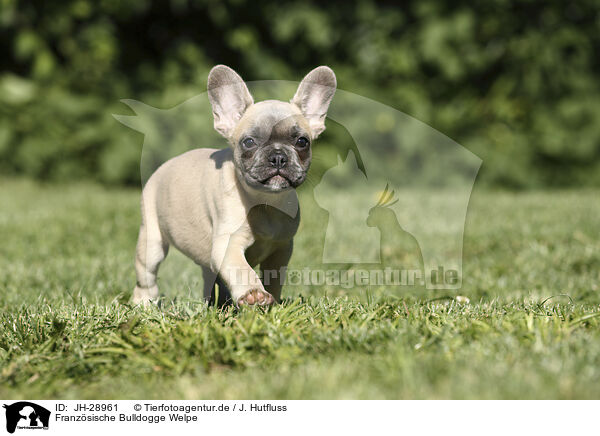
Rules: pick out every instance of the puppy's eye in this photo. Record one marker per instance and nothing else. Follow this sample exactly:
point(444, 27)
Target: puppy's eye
point(248, 143)
point(302, 142)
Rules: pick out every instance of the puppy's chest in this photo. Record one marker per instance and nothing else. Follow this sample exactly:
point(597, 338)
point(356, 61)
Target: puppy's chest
point(270, 224)
point(271, 230)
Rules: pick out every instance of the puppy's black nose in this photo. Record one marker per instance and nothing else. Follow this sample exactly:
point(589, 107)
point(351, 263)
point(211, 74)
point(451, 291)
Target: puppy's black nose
point(278, 159)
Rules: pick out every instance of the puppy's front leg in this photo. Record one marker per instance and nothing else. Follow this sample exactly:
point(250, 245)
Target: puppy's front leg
point(229, 260)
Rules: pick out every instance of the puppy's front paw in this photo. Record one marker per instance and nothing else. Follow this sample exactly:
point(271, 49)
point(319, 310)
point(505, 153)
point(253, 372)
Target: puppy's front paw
point(256, 297)
point(144, 296)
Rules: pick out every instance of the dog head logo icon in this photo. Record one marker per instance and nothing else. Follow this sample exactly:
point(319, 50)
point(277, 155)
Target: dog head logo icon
point(26, 415)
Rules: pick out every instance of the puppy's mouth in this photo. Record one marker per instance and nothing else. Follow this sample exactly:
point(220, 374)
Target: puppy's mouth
point(274, 179)
point(277, 181)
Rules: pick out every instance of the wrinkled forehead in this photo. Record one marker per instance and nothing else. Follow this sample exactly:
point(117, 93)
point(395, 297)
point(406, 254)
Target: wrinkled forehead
point(272, 119)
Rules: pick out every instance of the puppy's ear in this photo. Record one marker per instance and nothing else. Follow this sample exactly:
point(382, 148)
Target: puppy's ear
point(229, 98)
point(314, 95)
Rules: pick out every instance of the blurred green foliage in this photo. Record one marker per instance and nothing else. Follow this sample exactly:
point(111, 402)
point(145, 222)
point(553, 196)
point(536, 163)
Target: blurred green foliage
point(516, 82)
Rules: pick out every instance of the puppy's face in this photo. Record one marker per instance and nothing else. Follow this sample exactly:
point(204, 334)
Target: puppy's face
point(272, 146)
point(272, 139)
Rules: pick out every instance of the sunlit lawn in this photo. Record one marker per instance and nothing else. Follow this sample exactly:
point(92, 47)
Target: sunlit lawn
point(530, 330)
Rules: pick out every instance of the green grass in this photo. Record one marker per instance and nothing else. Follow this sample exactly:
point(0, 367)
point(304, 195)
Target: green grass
point(66, 330)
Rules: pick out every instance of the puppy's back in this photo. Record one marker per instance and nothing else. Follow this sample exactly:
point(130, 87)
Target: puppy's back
point(179, 198)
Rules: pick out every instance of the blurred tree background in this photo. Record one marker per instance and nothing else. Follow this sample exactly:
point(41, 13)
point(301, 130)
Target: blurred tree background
point(516, 82)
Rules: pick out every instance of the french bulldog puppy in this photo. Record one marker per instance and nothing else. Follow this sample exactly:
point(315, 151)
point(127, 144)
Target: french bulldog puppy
point(232, 209)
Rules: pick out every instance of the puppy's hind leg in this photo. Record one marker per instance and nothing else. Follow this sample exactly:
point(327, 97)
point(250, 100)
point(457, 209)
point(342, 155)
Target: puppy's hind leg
point(213, 285)
point(274, 269)
point(151, 251)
